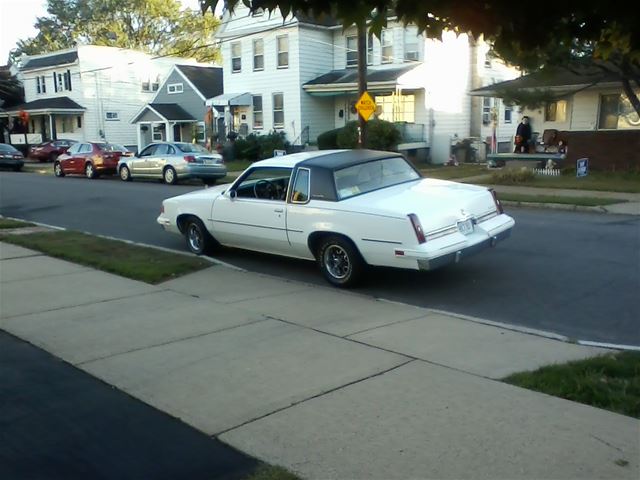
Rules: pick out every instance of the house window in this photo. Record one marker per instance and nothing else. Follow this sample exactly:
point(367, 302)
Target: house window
point(616, 112)
point(38, 89)
point(278, 110)
point(59, 82)
point(258, 54)
point(257, 112)
point(283, 51)
point(66, 77)
point(79, 122)
point(236, 57)
point(352, 51)
point(396, 108)
point(155, 86)
point(200, 133)
point(157, 133)
point(556, 111)
point(487, 106)
point(146, 86)
point(111, 116)
point(175, 88)
point(386, 42)
point(370, 49)
point(507, 114)
point(411, 44)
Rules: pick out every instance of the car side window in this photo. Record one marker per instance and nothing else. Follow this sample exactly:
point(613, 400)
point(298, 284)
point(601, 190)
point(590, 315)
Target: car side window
point(85, 148)
point(300, 192)
point(73, 149)
point(266, 183)
point(147, 152)
point(161, 149)
point(171, 150)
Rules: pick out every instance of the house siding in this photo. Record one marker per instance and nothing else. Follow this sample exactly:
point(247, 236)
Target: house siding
point(189, 99)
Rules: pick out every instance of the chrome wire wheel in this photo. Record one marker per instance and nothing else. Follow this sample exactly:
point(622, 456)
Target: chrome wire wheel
point(337, 262)
point(89, 171)
point(195, 238)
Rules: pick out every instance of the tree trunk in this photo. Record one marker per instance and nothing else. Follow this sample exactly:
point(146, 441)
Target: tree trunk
point(631, 94)
point(362, 79)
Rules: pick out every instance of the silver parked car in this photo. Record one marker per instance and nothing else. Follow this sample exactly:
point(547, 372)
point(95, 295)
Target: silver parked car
point(173, 161)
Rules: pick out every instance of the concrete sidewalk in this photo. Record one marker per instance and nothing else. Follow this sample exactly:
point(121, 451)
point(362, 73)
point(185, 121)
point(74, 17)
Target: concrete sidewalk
point(327, 383)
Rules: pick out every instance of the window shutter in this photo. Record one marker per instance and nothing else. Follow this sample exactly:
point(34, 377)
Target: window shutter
point(69, 79)
point(38, 84)
point(55, 83)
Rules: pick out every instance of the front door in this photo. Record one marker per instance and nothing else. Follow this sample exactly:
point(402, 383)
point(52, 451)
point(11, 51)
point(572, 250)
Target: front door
point(256, 218)
point(177, 132)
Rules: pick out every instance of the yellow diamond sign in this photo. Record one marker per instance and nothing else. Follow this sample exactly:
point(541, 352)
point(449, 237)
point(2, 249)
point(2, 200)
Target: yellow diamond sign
point(366, 106)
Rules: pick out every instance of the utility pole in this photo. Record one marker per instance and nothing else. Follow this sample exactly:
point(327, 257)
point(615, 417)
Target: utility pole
point(362, 79)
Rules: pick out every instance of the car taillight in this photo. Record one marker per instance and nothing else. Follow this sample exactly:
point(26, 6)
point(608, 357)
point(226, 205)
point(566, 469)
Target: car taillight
point(417, 227)
point(162, 208)
point(189, 158)
point(494, 194)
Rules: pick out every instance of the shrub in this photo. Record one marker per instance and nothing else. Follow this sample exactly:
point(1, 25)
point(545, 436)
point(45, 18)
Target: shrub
point(328, 140)
point(257, 147)
point(382, 135)
point(510, 177)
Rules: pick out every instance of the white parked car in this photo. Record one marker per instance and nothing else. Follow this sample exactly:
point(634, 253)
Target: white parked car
point(345, 209)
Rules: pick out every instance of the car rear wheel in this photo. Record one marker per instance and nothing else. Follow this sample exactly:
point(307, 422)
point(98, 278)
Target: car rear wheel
point(340, 261)
point(57, 170)
point(125, 174)
point(169, 176)
point(90, 171)
point(199, 240)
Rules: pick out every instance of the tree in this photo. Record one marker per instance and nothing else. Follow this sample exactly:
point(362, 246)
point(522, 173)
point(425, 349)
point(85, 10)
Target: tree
point(155, 26)
point(572, 34)
point(11, 91)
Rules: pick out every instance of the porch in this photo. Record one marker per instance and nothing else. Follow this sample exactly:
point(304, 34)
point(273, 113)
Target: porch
point(167, 122)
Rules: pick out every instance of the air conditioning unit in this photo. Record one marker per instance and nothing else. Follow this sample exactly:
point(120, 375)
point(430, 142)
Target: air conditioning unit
point(411, 56)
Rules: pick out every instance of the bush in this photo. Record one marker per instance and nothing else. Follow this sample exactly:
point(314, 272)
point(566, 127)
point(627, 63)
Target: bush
point(328, 140)
point(257, 147)
point(382, 135)
point(511, 177)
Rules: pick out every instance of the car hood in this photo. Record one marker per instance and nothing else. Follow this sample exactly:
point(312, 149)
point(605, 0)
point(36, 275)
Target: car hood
point(437, 203)
point(208, 193)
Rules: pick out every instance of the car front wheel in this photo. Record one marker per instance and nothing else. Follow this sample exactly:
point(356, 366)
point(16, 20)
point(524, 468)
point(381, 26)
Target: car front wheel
point(340, 261)
point(125, 174)
point(57, 170)
point(169, 176)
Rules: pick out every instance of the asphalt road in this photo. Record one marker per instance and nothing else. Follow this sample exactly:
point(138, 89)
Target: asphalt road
point(577, 274)
point(58, 422)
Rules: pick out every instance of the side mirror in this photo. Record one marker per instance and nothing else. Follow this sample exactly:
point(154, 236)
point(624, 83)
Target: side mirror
point(233, 194)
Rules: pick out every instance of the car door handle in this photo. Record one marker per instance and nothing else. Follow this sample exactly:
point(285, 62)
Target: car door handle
point(279, 210)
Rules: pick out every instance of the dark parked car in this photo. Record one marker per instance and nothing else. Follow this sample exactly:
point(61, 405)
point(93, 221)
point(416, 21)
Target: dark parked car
point(49, 151)
point(90, 158)
point(10, 157)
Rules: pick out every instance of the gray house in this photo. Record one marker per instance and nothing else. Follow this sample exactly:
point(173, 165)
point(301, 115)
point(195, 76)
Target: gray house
point(178, 112)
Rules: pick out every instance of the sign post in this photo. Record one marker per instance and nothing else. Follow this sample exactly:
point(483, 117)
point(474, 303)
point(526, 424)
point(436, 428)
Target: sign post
point(582, 167)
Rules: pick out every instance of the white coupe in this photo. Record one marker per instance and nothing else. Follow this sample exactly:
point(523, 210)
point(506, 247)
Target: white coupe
point(345, 209)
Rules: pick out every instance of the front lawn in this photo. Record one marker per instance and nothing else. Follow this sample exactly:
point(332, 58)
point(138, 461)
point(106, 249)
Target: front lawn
point(583, 201)
point(7, 223)
point(599, 181)
point(121, 258)
point(446, 172)
point(610, 381)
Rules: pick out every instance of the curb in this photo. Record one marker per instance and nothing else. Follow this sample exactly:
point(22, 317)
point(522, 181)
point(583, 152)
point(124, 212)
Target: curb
point(556, 206)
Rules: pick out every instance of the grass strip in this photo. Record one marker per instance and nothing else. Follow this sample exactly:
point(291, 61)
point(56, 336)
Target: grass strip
point(7, 223)
point(611, 382)
point(565, 200)
point(132, 261)
point(270, 472)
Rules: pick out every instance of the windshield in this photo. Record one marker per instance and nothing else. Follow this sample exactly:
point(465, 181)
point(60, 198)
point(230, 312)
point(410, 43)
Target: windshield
point(7, 148)
point(192, 148)
point(374, 175)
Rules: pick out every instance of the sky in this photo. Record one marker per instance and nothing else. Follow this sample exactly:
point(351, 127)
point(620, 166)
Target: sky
point(18, 16)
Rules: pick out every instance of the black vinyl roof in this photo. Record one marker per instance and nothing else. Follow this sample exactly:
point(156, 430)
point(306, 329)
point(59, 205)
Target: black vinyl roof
point(208, 80)
point(50, 61)
point(350, 75)
point(52, 103)
point(347, 158)
point(171, 111)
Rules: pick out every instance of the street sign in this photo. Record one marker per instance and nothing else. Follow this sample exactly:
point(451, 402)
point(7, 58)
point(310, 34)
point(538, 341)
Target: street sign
point(366, 106)
point(582, 167)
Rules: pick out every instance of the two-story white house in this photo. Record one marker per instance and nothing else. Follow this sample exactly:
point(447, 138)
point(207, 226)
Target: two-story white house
point(299, 75)
point(89, 92)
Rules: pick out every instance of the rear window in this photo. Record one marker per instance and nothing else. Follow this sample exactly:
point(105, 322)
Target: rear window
point(112, 147)
point(7, 148)
point(191, 148)
point(374, 175)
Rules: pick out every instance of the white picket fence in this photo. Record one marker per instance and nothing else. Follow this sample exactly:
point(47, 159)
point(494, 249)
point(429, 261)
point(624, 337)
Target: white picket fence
point(548, 172)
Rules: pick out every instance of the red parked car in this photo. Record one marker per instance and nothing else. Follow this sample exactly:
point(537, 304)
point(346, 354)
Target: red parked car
point(49, 151)
point(90, 158)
